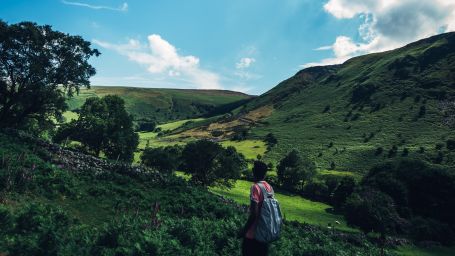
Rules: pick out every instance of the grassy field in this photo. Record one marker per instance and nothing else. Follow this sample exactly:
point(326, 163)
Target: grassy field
point(177, 124)
point(155, 141)
point(70, 115)
point(249, 148)
point(294, 207)
point(162, 104)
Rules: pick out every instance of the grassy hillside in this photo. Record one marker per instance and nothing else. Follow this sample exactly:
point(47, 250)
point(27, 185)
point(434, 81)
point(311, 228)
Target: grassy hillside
point(398, 103)
point(166, 104)
point(59, 202)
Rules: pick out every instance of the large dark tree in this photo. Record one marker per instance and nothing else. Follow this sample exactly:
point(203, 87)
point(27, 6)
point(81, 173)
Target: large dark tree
point(343, 191)
point(295, 169)
point(103, 125)
point(373, 211)
point(210, 164)
point(38, 68)
point(164, 159)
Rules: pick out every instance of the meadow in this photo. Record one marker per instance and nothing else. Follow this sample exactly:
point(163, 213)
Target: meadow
point(294, 207)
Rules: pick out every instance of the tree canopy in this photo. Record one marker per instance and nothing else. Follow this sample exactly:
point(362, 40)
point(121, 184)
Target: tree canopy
point(211, 164)
point(164, 159)
point(103, 125)
point(294, 169)
point(39, 67)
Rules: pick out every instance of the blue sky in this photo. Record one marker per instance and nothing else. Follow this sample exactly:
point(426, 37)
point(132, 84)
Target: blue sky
point(245, 45)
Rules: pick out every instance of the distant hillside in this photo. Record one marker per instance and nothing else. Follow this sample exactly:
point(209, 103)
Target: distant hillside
point(166, 104)
point(398, 103)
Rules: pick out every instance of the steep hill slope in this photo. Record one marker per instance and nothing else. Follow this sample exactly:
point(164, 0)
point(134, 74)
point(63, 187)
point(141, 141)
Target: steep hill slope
point(399, 103)
point(369, 108)
point(166, 104)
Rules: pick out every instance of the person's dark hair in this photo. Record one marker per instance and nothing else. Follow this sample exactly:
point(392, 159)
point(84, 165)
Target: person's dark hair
point(259, 170)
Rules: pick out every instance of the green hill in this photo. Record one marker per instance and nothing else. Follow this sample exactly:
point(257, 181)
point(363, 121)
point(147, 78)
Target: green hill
point(166, 104)
point(348, 117)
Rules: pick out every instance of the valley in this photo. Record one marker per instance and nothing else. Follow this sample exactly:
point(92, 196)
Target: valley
point(361, 155)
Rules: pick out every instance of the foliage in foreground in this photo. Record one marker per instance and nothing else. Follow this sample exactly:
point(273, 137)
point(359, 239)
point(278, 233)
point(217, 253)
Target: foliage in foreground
point(131, 214)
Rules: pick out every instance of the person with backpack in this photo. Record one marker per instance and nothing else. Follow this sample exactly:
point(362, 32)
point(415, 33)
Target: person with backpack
point(264, 221)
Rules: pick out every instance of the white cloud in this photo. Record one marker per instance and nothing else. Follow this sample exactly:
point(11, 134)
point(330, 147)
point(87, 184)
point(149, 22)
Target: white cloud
point(244, 63)
point(324, 48)
point(121, 8)
point(247, 75)
point(161, 58)
point(388, 24)
point(241, 69)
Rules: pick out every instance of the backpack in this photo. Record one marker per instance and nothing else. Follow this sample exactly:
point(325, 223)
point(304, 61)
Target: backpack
point(270, 220)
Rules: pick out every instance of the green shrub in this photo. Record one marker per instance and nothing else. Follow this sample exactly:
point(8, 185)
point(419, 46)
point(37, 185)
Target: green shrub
point(392, 152)
point(450, 144)
point(431, 230)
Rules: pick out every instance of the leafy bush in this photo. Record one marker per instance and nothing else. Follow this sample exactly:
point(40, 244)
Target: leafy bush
point(450, 144)
point(431, 230)
point(392, 152)
point(362, 93)
point(146, 126)
point(326, 109)
point(217, 133)
point(422, 111)
point(270, 140)
point(405, 152)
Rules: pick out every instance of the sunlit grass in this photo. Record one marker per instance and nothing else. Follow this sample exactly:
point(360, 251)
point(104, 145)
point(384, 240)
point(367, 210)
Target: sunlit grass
point(294, 207)
point(249, 148)
point(174, 125)
point(70, 115)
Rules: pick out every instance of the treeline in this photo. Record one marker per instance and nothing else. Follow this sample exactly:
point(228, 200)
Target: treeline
point(406, 197)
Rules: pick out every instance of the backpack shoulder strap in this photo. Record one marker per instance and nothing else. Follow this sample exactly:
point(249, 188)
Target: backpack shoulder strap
point(264, 190)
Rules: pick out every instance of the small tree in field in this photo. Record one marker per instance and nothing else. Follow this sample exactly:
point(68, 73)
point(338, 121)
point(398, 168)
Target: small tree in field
point(163, 159)
point(103, 125)
point(210, 164)
point(34, 61)
point(294, 169)
point(271, 140)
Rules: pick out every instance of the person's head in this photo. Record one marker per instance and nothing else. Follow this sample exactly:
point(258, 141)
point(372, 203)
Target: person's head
point(259, 170)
